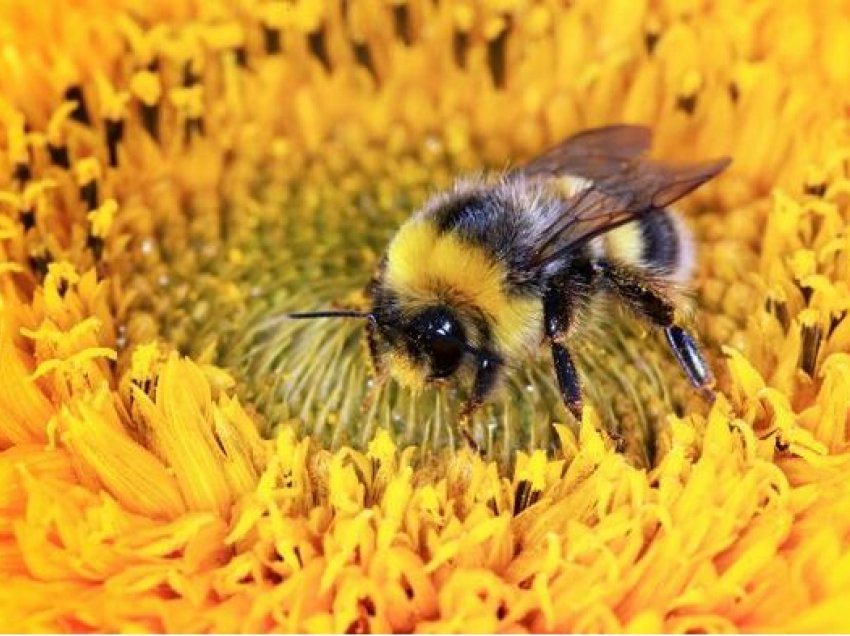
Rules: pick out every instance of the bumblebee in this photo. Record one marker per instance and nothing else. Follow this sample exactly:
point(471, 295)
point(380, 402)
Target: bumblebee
point(485, 273)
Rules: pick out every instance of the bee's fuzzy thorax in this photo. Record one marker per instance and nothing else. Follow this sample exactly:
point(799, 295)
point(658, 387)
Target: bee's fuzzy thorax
point(437, 257)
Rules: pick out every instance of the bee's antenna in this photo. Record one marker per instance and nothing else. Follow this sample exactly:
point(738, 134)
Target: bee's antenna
point(304, 315)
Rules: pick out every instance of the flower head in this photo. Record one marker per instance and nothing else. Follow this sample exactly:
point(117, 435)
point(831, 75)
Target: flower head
point(174, 177)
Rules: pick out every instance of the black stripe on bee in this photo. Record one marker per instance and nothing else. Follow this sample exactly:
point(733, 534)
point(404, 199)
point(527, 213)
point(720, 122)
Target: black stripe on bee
point(467, 213)
point(660, 240)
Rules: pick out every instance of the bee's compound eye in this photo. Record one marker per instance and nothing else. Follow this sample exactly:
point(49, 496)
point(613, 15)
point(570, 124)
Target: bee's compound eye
point(438, 334)
point(446, 354)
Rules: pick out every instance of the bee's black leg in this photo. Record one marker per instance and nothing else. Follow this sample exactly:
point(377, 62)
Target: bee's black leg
point(568, 380)
point(488, 368)
point(691, 360)
point(647, 300)
point(558, 314)
point(556, 322)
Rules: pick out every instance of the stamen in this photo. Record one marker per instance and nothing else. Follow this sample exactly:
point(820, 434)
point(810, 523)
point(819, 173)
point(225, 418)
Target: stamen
point(811, 335)
point(59, 156)
point(460, 47)
point(316, 41)
point(22, 172)
point(114, 134)
point(27, 219)
point(779, 309)
point(271, 40)
point(150, 119)
point(80, 113)
point(497, 55)
point(401, 19)
point(363, 57)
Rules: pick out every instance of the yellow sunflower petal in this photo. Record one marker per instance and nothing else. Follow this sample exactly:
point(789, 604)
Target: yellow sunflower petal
point(175, 456)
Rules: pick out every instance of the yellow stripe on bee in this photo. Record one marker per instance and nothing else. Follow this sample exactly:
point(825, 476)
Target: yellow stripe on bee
point(425, 265)
point(567, 186)
point(625, 244)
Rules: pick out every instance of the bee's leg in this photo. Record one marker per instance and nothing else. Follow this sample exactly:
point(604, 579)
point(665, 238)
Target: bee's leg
point(557, 316)
point(488, 368)
point(372, 291)
point(372, 346)
point(379, 371)
point(647, 300)
point(691, 360)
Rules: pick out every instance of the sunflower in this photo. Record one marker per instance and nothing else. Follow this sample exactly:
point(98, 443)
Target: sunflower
point(175, 176)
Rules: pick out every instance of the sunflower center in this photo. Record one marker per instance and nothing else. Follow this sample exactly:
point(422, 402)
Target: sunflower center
point(295, 240)
point(276, 196)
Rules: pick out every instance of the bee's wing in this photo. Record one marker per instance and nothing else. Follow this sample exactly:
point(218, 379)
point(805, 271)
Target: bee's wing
point(592, 154)
point(613, 200)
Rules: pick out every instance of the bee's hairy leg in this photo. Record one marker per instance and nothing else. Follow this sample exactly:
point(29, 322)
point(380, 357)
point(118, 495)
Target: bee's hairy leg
point(464, 429)
point(372, 346)
point(487, 371)
point(557, 317)
point(568, 380)
point(691, 360)
point(372, 393)
point(372, 339)
point(646, 300)
point(379, 371)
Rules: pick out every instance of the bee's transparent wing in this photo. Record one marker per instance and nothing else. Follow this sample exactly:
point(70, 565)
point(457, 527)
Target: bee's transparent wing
point(613, 200)
point(592, 154)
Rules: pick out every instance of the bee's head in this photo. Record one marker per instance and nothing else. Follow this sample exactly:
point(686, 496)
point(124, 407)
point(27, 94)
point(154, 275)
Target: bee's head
point(422, 347)
point(436, 338)
point(426, 346)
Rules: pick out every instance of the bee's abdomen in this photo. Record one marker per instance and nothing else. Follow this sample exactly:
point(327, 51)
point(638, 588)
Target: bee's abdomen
point(659, 241)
